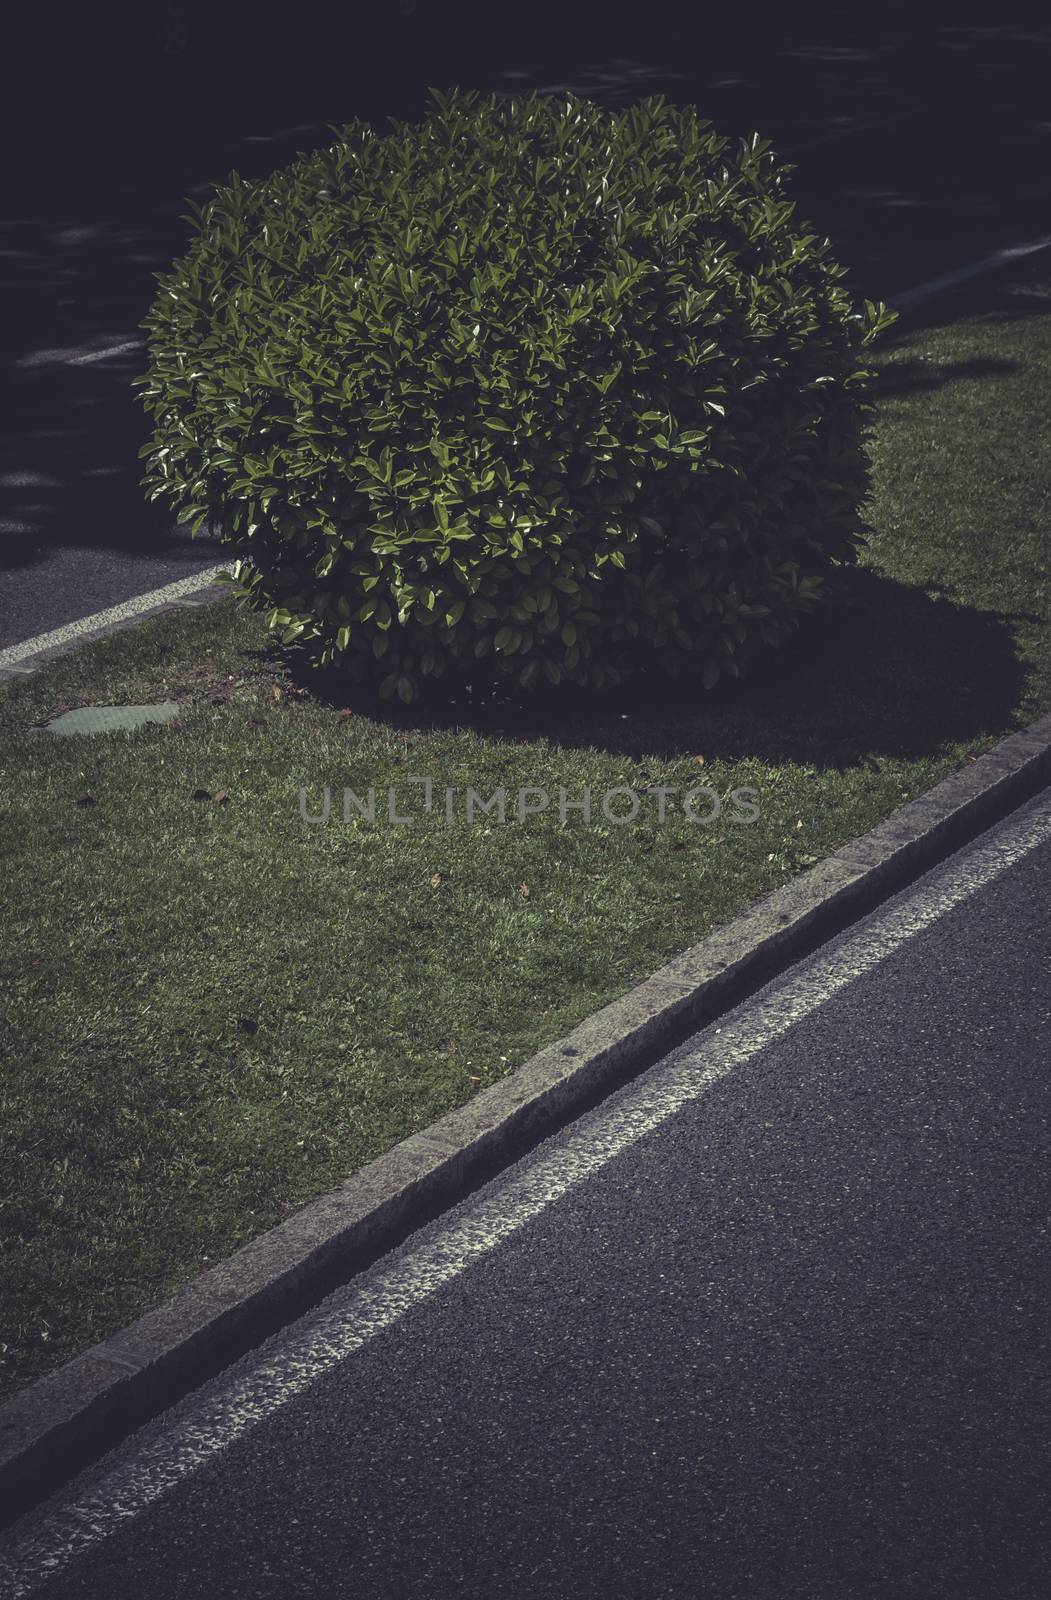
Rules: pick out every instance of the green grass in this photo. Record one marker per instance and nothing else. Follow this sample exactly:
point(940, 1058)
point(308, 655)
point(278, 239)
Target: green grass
point(215, 1011)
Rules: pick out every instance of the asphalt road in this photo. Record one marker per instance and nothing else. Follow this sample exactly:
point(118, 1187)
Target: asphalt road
point(918, 148)
point(779, 1334)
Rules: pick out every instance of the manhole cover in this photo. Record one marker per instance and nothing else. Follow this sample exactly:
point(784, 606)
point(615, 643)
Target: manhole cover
point(104, 719)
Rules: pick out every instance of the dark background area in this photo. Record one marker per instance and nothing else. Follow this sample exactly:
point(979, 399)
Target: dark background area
point(69, 59)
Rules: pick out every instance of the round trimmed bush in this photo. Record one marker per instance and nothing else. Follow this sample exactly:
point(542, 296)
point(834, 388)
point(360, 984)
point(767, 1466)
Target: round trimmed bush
point(531, 389)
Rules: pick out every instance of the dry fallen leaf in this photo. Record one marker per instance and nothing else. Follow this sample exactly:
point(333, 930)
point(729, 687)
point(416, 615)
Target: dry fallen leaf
point(439, 877)
point(222, 797)
point(799, 824)
point(523, 889)
point(699, 760)
point(346, 712)
point(276, 691)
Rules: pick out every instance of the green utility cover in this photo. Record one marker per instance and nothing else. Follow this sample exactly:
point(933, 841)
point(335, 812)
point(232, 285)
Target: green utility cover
point(104, 719)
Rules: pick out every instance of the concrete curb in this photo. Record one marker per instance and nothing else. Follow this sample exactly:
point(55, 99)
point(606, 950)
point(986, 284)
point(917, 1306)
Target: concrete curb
point(25, 666)
point(58, 1425)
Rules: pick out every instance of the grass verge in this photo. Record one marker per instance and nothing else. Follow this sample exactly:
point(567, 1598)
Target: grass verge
point(215, 1010)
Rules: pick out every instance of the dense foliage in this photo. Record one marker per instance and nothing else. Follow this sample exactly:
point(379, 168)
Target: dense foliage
point(531, 387)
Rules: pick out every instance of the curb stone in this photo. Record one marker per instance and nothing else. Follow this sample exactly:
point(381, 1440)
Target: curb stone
point(18, 671)
point(60, 1424)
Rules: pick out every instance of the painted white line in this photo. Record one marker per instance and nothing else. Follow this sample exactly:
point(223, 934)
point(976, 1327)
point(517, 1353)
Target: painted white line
point(101, 355)
point(127, 608)
point(71, 1526)
point(977, 269)
point(76, 357)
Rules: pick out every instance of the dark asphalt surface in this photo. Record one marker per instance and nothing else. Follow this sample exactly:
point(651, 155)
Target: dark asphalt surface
point(919, 148)
point(790, 1345)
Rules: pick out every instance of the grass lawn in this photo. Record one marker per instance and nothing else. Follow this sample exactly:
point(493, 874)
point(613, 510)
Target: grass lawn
point(214, 1010)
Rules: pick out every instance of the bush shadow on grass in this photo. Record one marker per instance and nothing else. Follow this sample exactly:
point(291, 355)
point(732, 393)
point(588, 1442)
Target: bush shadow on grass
point(913, 376)
point(883, 669)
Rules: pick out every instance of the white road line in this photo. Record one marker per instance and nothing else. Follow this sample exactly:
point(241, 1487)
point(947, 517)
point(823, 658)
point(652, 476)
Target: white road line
point(999, 258)
point(101, 355)
point(71, 1526)
point(76, 357)
point(127, 608)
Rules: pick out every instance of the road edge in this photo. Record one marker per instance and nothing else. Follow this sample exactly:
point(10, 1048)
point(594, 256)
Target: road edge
point(60, 1424)
point(198, 590)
